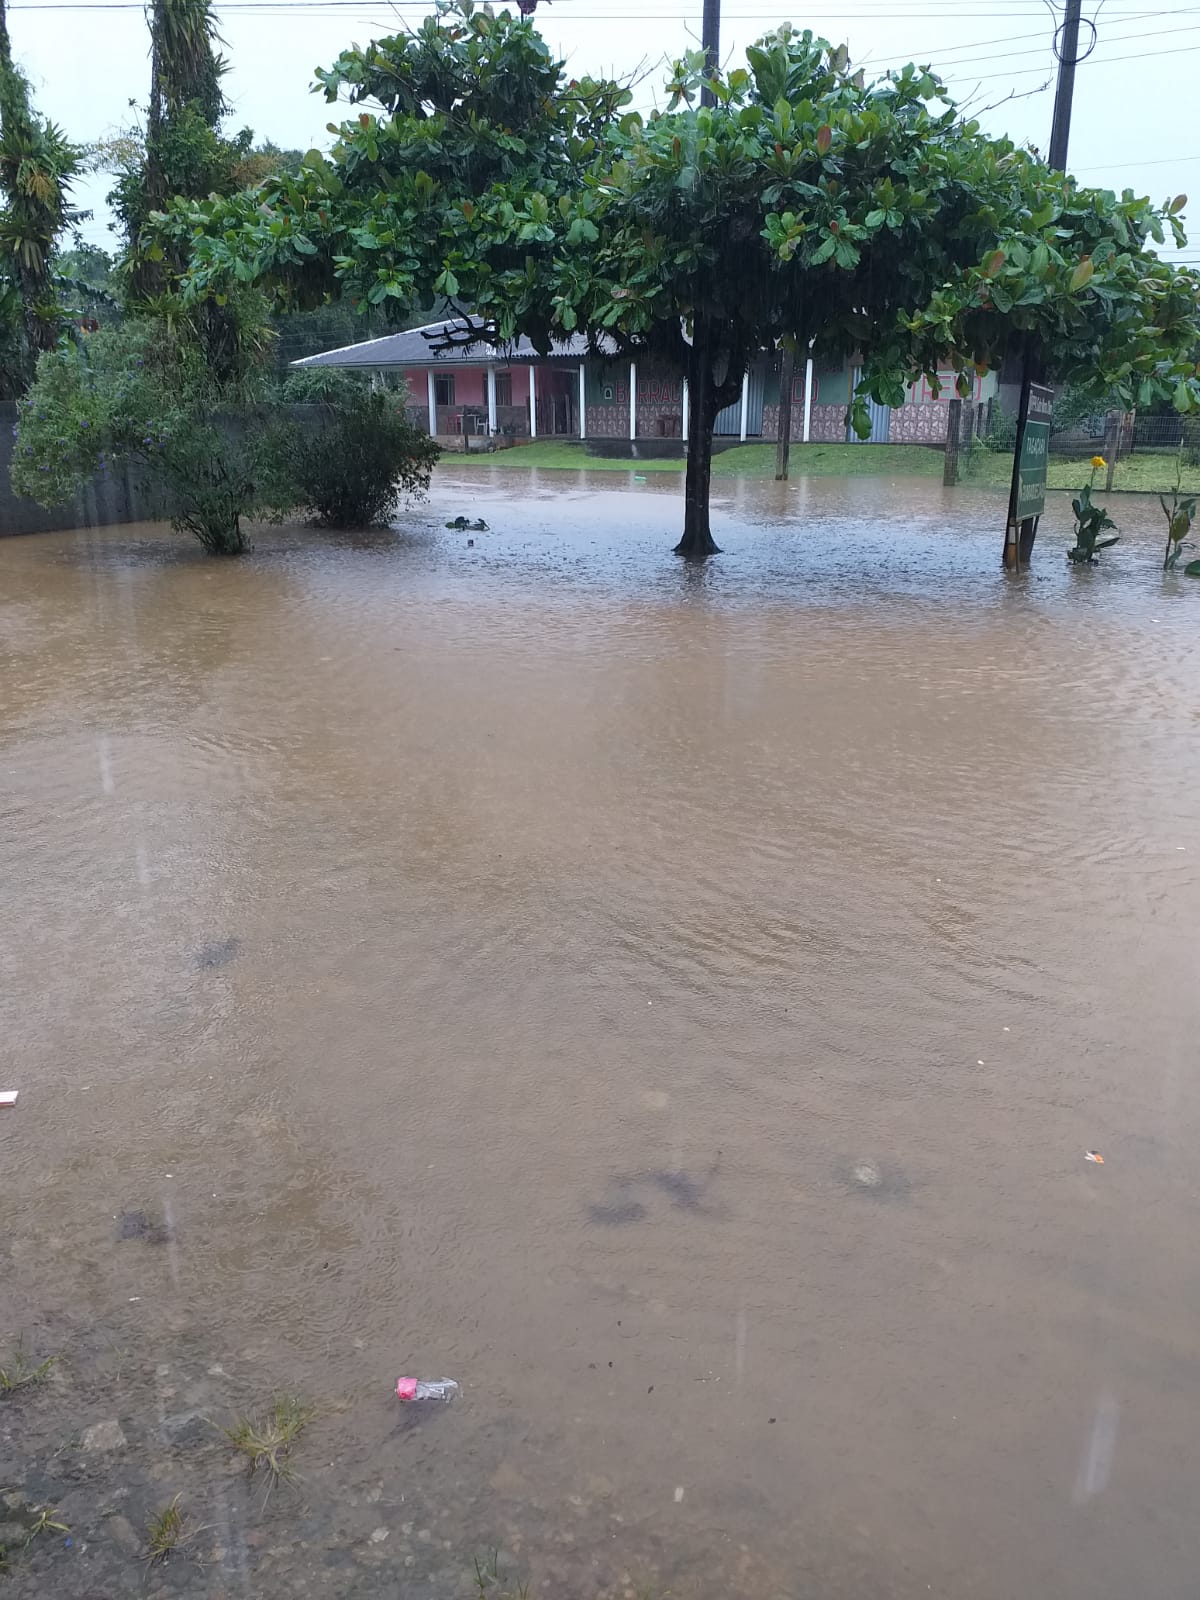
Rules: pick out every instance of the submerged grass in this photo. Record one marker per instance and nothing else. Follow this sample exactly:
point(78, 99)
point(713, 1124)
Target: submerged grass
point(266, 1440)
point(1142, 473)
point(493, 1584)
point(168, 1531)
point(20, 1373)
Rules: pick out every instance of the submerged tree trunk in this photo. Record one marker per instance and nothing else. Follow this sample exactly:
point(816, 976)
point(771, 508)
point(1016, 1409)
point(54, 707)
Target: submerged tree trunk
point(953, 440)
point(783, 447)
point(697, 541)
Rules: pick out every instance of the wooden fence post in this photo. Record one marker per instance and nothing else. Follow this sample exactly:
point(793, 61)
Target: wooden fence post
point(1112, 444)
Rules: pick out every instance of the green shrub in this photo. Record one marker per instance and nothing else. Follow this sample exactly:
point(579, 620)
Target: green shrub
point(358, 453)
point(141, 395)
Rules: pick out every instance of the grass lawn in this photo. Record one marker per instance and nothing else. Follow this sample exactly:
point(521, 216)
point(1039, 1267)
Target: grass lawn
point(987, 469)
point(741, 461)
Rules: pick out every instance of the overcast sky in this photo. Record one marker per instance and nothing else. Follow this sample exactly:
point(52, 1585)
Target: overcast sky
point(88, 60)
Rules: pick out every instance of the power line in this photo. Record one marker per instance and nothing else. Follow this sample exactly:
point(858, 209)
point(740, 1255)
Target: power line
point(1116, 38)
point(952, 10)
point(1092, 61)
point(1118, 166)
point(1040, 33)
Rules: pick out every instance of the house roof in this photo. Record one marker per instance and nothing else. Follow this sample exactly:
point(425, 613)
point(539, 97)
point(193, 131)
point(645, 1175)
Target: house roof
point(414, 348)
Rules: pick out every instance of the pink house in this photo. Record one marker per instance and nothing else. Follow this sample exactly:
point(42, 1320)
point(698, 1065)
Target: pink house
point(462, 392)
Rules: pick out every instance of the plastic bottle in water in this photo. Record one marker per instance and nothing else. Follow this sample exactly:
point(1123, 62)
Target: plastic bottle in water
point(426, 1389)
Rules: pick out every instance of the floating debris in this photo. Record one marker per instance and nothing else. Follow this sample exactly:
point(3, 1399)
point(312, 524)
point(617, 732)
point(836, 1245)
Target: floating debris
point(426, 1389)
point(1094, 1155)
point(8, 1097)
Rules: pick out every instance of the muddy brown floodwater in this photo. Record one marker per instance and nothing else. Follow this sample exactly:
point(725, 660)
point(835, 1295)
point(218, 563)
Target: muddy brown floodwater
point(675, 1003)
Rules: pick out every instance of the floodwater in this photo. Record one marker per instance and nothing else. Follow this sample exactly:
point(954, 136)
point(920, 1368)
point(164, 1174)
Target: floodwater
point(676, 1003)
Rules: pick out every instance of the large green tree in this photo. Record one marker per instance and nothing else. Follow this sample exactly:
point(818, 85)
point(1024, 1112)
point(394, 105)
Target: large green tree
point(807, 208)
point(37, 164)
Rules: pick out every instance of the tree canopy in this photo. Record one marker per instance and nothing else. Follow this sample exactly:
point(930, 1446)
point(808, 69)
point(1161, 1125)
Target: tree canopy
point(808, 207)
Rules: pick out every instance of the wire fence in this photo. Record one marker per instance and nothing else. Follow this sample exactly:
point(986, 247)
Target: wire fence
point(1142, 453)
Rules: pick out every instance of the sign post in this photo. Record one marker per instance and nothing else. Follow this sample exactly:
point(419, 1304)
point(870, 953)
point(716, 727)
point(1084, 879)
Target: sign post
point(1027, 498)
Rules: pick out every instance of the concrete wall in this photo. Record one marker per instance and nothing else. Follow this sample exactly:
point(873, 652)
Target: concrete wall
point(108, 498)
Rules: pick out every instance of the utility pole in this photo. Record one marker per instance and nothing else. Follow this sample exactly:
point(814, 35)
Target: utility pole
point(1022, 531)
point(1068, 56)
point(711, 41)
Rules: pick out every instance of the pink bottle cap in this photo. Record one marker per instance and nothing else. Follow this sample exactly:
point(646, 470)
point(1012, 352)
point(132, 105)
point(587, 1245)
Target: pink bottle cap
point(406, 1389)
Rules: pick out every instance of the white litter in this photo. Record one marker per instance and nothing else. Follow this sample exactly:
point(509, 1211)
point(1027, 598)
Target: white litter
point(8, 1097)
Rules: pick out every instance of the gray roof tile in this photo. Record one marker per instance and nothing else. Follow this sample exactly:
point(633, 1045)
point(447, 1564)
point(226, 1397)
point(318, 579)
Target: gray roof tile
point(414, 348)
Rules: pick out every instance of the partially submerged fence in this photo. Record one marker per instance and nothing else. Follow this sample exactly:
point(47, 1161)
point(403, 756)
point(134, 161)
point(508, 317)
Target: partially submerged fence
point(1141, 452)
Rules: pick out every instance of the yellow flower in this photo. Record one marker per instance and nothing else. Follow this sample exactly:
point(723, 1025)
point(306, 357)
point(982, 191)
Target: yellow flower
point(1099, 461)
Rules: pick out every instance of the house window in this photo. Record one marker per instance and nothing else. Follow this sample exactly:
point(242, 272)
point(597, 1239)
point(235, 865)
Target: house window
point(443, 389)
point(504, 388)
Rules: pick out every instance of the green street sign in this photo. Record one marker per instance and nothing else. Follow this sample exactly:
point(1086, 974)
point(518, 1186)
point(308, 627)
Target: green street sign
point(1035, 450)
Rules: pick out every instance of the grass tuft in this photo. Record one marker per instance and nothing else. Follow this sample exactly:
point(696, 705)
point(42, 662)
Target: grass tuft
point(266, 1440)
point(493, 1584)
point(21, 1373)
point(167, 1532)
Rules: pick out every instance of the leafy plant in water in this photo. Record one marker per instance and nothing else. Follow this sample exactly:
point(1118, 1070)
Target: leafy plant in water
point(44, 1523)
point(1091, 522)
point(1180, 512)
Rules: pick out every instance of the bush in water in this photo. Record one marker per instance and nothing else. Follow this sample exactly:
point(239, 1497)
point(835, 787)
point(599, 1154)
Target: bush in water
point(359, 456)
point(142, 394)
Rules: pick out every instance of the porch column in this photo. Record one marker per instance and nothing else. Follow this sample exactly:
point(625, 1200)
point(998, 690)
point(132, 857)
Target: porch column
point(745, 401)
point(808, 394)
point(491, 394)
point(633, 399)
point(582, 401)
point(432, 405)
point(532, 401)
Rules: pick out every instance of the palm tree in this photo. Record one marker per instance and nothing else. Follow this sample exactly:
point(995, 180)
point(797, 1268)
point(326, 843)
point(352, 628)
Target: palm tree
point(37, 164)
point(185, 80)
point(185, 66)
